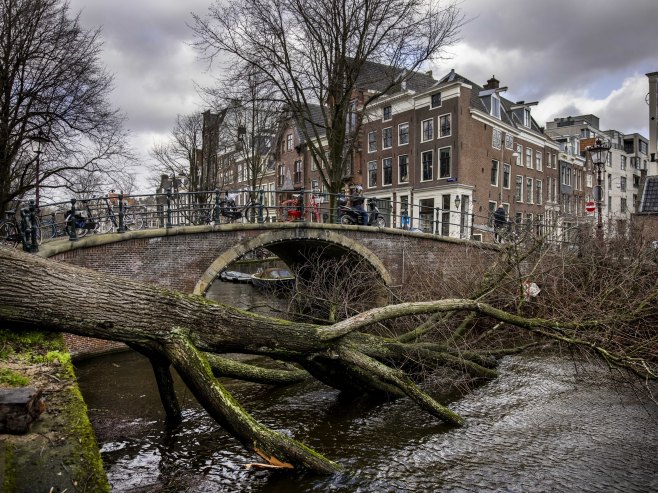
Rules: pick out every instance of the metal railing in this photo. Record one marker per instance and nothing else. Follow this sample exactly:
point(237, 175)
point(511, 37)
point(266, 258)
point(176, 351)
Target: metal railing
point(118, 213)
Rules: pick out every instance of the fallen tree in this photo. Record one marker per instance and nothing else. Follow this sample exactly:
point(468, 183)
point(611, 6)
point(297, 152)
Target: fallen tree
point(188, 332)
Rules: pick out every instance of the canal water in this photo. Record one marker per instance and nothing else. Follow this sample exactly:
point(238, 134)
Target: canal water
point(546, 424)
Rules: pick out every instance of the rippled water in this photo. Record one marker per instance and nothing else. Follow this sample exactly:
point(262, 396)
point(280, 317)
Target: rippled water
point(543, 425)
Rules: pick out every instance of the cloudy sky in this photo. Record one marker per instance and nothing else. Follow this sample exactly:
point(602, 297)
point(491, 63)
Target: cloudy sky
point(589, 56)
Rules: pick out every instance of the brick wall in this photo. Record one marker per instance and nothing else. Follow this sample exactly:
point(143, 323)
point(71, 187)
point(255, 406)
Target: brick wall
point(179, 259)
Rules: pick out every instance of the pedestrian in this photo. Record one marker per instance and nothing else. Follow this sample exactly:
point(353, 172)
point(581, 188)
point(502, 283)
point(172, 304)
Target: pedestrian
point(499, 221)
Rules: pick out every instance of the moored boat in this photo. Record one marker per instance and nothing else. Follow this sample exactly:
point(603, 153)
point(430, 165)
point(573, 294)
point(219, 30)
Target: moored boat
point(273, 278)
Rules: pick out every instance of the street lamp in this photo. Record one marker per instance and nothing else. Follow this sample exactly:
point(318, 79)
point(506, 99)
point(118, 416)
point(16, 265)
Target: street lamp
point(599, 155)
point(36, 142)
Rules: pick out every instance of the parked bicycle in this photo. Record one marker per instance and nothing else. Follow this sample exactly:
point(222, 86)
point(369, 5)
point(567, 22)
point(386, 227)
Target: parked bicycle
point(226, 210)
point(109, 221)
point(25, 231)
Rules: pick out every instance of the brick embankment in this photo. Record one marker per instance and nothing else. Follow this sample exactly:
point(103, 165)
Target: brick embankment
point(88, 347)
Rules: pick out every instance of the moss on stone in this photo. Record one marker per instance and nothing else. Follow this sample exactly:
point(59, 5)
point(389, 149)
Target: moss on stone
point(60, 453)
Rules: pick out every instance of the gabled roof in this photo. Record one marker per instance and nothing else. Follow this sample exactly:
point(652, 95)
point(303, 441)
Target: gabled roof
point(316, 119)
point(649, 202)
point(378, 76)
point(480, 99)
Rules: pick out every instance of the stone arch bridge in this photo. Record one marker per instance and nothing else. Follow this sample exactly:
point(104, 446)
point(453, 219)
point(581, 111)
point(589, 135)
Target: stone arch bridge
point(190, 258)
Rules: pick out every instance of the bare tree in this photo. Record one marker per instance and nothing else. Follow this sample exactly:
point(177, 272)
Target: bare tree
point(179, 156)
point(317, 54)
point(251, 118)
point(54, 91)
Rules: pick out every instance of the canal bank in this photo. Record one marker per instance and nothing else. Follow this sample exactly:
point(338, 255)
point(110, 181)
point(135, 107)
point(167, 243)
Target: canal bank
point(60, 452)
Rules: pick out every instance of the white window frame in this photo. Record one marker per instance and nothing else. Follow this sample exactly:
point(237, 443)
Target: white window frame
point(400, 133)
point(390, 159)
point(519, 183)
point(519, 157)
point(496, 138)
point(528, 157)
point(390, 115)
point(372, 165)
point(422, 160)
point(527, 121)
point(495, 106)
point(508, 167)
point(509, 141)
point(539, 191)
point(438, 163)
point(497, 172)
point(440, 129)
point(400, 177)
point(372, 143)
point(390, 130)
point(422, 130)
point(538, 161)
point(529, 198)
point(432, 105)
point(289, 142)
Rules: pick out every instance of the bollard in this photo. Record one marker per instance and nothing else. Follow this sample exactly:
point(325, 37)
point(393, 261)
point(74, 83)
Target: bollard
point(34, 227)
point(169, 197)
point(260, 206)
point(217, 209)
point(70, 222)
point(122, 226)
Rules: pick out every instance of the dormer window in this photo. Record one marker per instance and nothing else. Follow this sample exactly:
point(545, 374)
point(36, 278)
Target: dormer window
point(526, 117)
point(495, 106)
point(435, 100)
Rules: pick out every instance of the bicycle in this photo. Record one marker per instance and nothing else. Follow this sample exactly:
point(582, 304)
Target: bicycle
point(110, 222)
point(227, 211)
point(13, 232)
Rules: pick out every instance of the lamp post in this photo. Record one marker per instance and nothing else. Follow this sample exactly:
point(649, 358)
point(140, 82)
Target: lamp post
point(599, 154)
point(36, 142)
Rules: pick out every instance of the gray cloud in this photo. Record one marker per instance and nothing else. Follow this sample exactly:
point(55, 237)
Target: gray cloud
point(574, 57)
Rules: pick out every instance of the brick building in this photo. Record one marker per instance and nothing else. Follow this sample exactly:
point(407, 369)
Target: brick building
point(448, 153)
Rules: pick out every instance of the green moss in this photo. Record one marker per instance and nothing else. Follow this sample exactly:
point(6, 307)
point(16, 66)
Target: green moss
point(12, 379)
point(7, 469)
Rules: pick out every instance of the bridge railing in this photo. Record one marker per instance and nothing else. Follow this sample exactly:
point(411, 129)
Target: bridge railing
point(118, 212)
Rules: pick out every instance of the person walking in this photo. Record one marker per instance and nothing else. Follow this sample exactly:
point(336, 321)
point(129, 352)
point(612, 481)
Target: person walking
point(500, 222)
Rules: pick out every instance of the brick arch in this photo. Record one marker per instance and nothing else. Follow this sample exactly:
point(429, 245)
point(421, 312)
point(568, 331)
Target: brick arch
point(288, 236)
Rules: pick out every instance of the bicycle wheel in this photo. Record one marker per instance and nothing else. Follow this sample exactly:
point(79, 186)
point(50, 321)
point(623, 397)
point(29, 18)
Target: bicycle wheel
point(48, 229)
point(105, 224)
point(133, 221)
point(9, 235)
point(251, 213)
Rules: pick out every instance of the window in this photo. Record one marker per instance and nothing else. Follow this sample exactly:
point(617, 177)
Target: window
point(386, 113)
point(403, 134)
point(494, 172)
point(492, 209)
point(624, 205)
point(403, 169)
point(496, 138)
point(427, 166)
point(435, 100)
point(507, 173)
point(538, 192)
point(528, 157)
point(526, 117)
point(387, 171)
point(387, 138)
point(623, 163)
point(565, 172)
point(622, 183)
point(445, 123)
point(428, 130)
point(528, 190)
point(495, 106)
point(509, 142)
point(636, 181)
point(644, 147)
point(372, 141)
point(351, 116)
point(280, 175)
point(372, 174)
point(445, 215)
point(445, 162)
point(538, 164)
point(298, 171)
point(519, 154)
point(518, 188)
point(289, 142)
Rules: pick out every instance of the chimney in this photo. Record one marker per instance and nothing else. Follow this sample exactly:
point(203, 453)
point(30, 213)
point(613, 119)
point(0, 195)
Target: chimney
point(429, 72)
point(492, 83)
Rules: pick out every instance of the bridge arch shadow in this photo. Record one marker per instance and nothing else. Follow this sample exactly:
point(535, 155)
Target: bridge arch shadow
point(292, 246)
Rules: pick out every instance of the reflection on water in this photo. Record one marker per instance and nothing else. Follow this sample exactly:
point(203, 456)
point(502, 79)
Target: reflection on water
point(542, 426)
